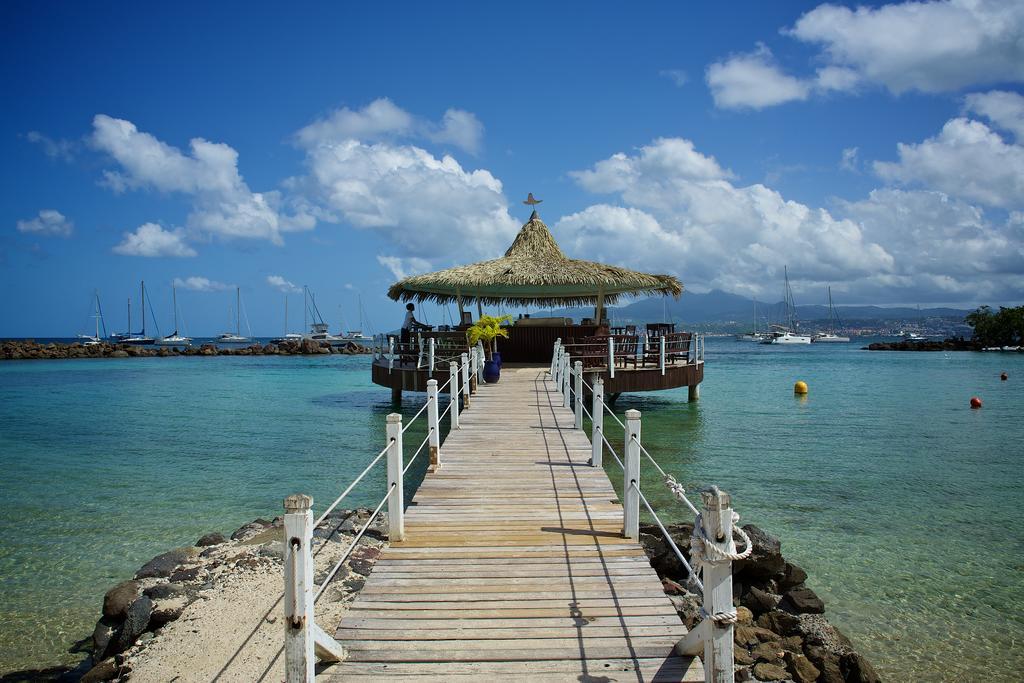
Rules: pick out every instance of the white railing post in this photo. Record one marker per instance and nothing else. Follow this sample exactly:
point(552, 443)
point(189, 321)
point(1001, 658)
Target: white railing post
point(391, 353)
point(661, 351)
point(299, 638)
point(557, 364)
point(472, 369)
point(554, 356)
point(611, 358)
point(396, 512)
point(578, 369)
point(434, 425)
point(641, 351)
point(430, 355)
point(597, 418)
point(566, 380)
point(453, 393)
point(479, 363)
point(465, 381)
point(631, 495)
point(716, 520)
point(419, 350)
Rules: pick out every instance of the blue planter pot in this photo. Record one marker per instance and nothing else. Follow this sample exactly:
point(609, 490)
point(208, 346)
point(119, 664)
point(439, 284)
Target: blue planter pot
point(492, 372)
point(496, 357)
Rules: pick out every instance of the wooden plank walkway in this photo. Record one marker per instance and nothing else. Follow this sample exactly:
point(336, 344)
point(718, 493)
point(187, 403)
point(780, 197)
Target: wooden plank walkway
point(514, 566)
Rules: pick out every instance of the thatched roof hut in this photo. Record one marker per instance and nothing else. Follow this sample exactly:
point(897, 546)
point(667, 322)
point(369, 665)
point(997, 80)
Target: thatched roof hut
point(533, 271)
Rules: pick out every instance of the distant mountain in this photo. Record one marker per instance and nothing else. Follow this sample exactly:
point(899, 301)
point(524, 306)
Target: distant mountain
point(717, 306)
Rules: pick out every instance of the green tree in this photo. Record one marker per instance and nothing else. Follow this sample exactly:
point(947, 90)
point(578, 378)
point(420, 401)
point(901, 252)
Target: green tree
point(1002, 328)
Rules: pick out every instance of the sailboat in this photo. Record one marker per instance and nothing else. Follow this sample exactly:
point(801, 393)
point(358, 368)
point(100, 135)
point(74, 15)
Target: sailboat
point(754, 336)
point(140, 338)
point(235, 337)
point(288, 336)
point(174, 339)
point(94, 340)
point(833, 323)
point(788, 334)
point(358, 336)
point(318, 328)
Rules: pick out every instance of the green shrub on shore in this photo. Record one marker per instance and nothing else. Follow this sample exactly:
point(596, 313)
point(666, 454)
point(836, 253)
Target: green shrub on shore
point(1002, 328)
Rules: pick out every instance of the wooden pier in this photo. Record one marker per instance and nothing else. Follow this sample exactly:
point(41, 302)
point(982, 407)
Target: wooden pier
point(514, 565)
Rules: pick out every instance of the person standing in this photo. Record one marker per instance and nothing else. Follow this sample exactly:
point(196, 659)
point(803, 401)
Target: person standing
point(411, 323)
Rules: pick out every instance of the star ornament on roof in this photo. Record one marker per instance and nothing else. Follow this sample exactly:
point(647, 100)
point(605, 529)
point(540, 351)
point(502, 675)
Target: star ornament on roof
point(530, 201)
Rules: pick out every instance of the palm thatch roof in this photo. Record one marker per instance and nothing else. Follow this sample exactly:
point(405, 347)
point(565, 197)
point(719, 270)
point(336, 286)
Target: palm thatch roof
point(533, 271)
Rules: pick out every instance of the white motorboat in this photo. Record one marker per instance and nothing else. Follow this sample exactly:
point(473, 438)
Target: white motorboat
point(788, 337)
point(788, 334)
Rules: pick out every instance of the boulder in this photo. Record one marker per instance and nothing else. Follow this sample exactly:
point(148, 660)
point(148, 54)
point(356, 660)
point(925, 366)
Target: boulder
point(768, 652)
point(164, 564)
point(751, 636)
point(759, 601)
point(782, 623)
point(102, 635)
point(119, 598)
point(856, 669)
point(792, 576)
point(744, 616)
point(274, 549)
point(802, 601)
point(188, 575)
point(107, 670)
point(763, 671)
point(166, 612)
point(826, 662)
point(135, 623)
point(165, 591)
point(211, 539)
point(801, 668)
point(818, 631)
point(247, 531)
point(766, 559)
point(117, 353)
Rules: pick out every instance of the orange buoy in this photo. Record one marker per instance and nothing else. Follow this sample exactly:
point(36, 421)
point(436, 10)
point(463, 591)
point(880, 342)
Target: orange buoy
point(800, 387)
point(975, 402)
point(1004, 377)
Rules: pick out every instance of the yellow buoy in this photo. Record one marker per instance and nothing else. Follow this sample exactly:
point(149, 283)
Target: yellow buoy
point(800, 387)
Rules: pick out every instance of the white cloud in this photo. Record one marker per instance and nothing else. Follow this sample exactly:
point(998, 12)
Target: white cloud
point(677, 76)
point(55, 149)
point(928, 46)
point(753, 80)
point(424, 205)
point(1004, 109)
point(402, 268)
point(223, 205)
point(966, 159)
point(382, 120)
point(151, 240)
point(849, 160)
point(48, 222)
point(197, 283)
point(279, 283)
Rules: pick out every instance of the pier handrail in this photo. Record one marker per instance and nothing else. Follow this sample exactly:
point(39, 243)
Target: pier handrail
point(305, 641)
point(712, 548)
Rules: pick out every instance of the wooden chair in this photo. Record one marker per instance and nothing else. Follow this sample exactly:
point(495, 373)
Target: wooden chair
point(677, 347)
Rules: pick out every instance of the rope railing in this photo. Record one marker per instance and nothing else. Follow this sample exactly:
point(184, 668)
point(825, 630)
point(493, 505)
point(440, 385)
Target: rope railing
point(426, 440)
point(351, 486)
point(712, 549)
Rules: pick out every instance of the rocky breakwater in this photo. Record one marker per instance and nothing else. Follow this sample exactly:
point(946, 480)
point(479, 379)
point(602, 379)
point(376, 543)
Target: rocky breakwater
point(30, 350)
point(215, 607)
point(782, 633)
point(952, 344)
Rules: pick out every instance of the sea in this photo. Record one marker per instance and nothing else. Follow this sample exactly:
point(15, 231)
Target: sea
point(901, 502)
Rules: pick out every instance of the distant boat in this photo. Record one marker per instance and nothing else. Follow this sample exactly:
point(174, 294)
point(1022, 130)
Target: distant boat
point(357, 336)
point(318, 328)
point(789, 334)
point(754, 336)
point(140, 338)
point(833, 323)
point(236, 336)
point(96, 339)
point(912, 336)
point(174, 339)
point(288, 336)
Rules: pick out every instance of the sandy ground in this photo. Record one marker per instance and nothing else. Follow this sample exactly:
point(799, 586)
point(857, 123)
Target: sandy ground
point(234, 631)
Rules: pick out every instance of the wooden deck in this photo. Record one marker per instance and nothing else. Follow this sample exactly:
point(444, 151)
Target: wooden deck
point(514, 566)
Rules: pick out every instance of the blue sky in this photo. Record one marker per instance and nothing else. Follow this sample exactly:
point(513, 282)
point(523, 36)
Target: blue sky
point(876, 149)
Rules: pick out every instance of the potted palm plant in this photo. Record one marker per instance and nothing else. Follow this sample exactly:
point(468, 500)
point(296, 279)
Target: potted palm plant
point(487, 330)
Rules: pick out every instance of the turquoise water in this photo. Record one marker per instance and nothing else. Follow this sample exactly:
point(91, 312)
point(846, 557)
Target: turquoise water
point(902, 504)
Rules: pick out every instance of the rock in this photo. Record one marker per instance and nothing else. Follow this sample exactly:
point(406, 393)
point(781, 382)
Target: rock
point(249, 530)
point(744, 616)
point(211, 539)
point(742, 657)
point(766, 559)
point(802, 669)
point(759, 601)
point(763, 671)
point(783, 623)
point(768, 652)
point(817, 631)
point(135, 623)
point(102, 635)
point(274, 549)
point(672, 588)
point(164, 564)
point(167, 612)
point(119, 353)
point(826, 662)
point(191, 575)
point(792, 576)
point(793, 644)
point(752, 635)
point(107, 670)
point(164, 591)
point(802, 601)
point(119, 598)
point(856, 669)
